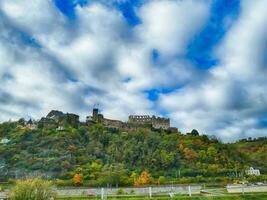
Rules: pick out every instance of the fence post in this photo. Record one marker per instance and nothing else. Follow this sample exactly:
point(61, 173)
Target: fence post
point(189, 191)
point(243, 189)
point(150, 192)
point(102, 193)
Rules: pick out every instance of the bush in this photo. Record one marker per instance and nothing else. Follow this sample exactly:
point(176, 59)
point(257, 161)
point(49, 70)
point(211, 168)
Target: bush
point(11, 181)
point(59, 182)
point(162, 180)
point(32, 189)
point(120, 191)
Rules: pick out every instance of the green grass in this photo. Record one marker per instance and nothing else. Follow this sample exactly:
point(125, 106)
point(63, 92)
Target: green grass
point(262, 196)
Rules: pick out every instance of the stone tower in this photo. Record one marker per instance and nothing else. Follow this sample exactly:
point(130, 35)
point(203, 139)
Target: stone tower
point(95, 114)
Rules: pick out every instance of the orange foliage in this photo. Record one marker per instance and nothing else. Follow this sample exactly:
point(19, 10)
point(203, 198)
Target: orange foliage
point(190, 154)
point(143, 179)
point(181, 146)
point(77, 179)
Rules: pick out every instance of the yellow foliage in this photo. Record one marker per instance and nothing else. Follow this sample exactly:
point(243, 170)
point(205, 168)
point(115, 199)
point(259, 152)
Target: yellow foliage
point(143, 179)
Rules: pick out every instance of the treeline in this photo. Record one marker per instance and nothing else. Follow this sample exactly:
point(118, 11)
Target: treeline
point(99, 156)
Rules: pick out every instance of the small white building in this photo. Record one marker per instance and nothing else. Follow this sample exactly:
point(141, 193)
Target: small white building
point(253, 171)
point(60, 128)
point(4, 141)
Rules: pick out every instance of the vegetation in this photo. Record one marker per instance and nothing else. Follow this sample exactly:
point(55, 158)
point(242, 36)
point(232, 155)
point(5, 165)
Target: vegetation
point(32, 189)
point(96, 156)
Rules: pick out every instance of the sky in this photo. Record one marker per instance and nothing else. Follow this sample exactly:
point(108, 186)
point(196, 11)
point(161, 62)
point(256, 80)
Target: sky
point(201, 63)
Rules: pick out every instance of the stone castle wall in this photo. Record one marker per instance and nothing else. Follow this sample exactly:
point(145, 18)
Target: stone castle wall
point(134, 121)
point(160, 123)
point(110, 123)
point(140, 119)
point(155, 122)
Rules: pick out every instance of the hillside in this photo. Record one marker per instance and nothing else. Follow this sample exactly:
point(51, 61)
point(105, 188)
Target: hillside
point(102, 155)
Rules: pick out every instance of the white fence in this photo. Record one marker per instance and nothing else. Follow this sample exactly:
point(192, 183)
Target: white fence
point(246, 188)
point(140, 191)
point(3, 195)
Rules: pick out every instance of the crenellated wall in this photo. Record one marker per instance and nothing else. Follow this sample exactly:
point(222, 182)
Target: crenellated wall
point(155, 122)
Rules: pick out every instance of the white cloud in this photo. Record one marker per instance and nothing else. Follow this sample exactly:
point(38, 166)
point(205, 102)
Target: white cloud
point(166, 26)
point(98, 58)
point(231, 100)
point(85, 51)
point(169, 25)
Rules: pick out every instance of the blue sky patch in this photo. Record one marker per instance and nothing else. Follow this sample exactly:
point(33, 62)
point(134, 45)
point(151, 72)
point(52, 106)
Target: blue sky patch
point(200, 50)
point(155, 55)
point(66, 7)
point(28, 40)
point(128, 10)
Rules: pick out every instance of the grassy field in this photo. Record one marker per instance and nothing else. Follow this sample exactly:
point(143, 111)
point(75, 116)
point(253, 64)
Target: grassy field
point(262, 196)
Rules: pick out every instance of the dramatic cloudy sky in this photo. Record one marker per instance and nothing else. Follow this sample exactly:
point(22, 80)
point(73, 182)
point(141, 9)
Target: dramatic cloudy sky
point(203, 63)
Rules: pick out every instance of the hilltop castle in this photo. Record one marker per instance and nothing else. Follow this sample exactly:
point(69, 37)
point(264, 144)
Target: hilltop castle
point(59, 121)
point(134, 121)
point(155, 122)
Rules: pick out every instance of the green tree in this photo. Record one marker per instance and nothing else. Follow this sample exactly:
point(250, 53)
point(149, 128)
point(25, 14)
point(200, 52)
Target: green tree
point(162, 180)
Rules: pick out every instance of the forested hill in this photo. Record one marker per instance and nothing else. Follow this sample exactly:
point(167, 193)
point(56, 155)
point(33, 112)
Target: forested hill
point(101, 155)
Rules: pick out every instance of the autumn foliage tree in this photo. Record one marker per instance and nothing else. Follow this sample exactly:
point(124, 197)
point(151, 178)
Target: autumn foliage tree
point(190, 154)
point(143, 179)
point(77, 179)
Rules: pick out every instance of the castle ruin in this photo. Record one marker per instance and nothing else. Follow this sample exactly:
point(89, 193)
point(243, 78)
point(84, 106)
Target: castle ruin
point(155, 122)
point(99, 118)
point(134, 121)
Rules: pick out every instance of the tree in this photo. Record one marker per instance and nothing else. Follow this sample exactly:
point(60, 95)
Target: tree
point(77, 179)
point(143, 179)
point(161, 180)
point(202, 155)
point(133, 177)
point(194, 132)
point(92, 171)
point(32, 189)
point(212, 154)
point(167, 159)
point(190, 154)
point(115, 175)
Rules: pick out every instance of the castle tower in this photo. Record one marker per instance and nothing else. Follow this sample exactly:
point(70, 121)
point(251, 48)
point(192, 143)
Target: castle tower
point(95, 114)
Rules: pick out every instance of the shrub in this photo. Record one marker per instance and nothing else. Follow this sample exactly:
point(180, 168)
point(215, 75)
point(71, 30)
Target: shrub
point(11, 181)
point(120, 191)
point(59, 182)
point(32, 189)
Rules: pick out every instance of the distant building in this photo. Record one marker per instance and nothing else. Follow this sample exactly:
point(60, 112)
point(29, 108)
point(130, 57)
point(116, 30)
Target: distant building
point(57, 118)
point(31, 125)
point(134, 121)
point(155, 122)
point(60, 128)
point(253, 171)
point(4, 141)
point(45, 122)
point(99, 118)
